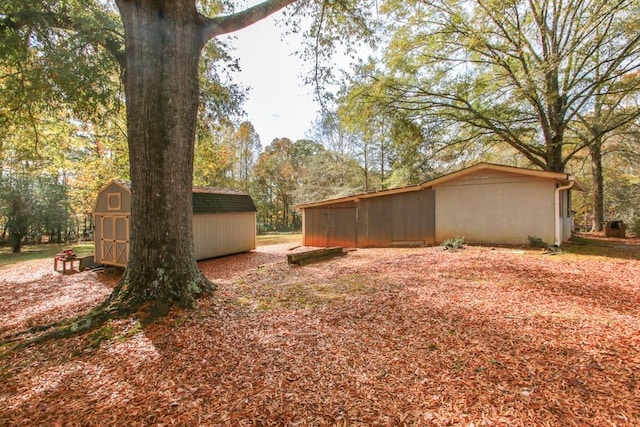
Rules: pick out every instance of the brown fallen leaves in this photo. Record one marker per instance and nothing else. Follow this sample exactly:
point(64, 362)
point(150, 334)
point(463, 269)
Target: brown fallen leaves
point(479, 337)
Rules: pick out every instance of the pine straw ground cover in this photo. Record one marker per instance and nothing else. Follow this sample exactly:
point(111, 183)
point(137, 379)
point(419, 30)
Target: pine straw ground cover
point(482, 336)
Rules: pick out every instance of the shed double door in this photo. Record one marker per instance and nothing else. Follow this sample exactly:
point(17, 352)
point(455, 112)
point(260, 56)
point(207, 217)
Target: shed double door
point(332, 227)
point(114, 241)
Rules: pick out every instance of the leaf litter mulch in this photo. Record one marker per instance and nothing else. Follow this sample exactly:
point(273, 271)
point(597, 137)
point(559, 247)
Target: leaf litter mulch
point(390, 337)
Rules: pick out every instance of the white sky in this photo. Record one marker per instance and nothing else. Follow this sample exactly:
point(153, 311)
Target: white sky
point(278, 104)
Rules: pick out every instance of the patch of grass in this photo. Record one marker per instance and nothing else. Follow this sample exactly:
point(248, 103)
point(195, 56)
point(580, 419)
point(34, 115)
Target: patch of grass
point(133, 329)
point(585, 246)
point(298, 295)
point(112, 331)
point(354, 283)
point(458, 363)
point(43, 251)
point(105, 333)
point(275, 239)
point(304, 295)
point(537, 242)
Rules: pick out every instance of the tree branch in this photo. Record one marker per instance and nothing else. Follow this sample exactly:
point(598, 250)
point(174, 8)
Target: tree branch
point(217, 26)
point(108, 38)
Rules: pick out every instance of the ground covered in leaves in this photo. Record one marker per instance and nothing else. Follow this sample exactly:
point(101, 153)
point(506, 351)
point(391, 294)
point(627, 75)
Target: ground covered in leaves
point(405, 336)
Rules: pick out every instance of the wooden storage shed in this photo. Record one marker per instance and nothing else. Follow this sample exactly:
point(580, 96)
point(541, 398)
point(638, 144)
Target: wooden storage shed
point(392, 218)
point(224, 223)
point(484, 203)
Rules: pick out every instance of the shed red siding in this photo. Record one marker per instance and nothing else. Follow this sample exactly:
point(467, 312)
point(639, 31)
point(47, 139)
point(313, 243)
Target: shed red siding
point(396, 219)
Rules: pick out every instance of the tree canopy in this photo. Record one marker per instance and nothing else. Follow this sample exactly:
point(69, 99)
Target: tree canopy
point(518, 72)
point(544, 79)
point(157, 48)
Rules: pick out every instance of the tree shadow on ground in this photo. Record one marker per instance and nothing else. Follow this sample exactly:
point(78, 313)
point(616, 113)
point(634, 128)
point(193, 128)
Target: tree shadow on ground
point(403, 355)
point(49, 296)
point(595, 244)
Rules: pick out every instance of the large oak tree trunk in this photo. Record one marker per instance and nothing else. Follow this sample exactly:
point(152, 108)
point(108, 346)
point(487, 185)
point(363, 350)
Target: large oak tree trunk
point(163, 43)
point(595, 152)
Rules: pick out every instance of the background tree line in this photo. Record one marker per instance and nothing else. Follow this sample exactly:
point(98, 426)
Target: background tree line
point(550, 84)
point(525, 83)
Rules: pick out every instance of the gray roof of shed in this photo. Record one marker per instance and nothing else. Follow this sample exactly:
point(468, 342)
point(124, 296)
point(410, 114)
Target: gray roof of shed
point(211, 200)
point(215, 200)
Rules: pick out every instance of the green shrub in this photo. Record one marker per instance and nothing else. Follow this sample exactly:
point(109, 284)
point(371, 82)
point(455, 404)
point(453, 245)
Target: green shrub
point(536, 242)
point(453, 244)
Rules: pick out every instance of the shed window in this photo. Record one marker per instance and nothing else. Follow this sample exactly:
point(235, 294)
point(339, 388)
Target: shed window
point(114, 202)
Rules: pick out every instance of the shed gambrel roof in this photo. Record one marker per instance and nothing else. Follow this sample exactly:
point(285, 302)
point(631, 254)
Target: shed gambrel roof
point(209, 200)
point(560, 177)
point(216, 200)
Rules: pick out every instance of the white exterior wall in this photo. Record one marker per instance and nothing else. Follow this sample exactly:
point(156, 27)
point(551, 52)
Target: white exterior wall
point(218, 234)
point(495, 207)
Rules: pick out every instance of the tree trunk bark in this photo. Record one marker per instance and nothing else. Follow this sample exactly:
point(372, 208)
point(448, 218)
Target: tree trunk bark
point(163, 43)
point(556, 163)
point(595, 152)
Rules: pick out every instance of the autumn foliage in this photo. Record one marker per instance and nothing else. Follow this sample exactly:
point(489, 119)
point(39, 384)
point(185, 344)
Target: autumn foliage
point(405, 336)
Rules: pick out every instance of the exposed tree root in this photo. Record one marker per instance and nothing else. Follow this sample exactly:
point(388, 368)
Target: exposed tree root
point(64, 329)
point(121, 303)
